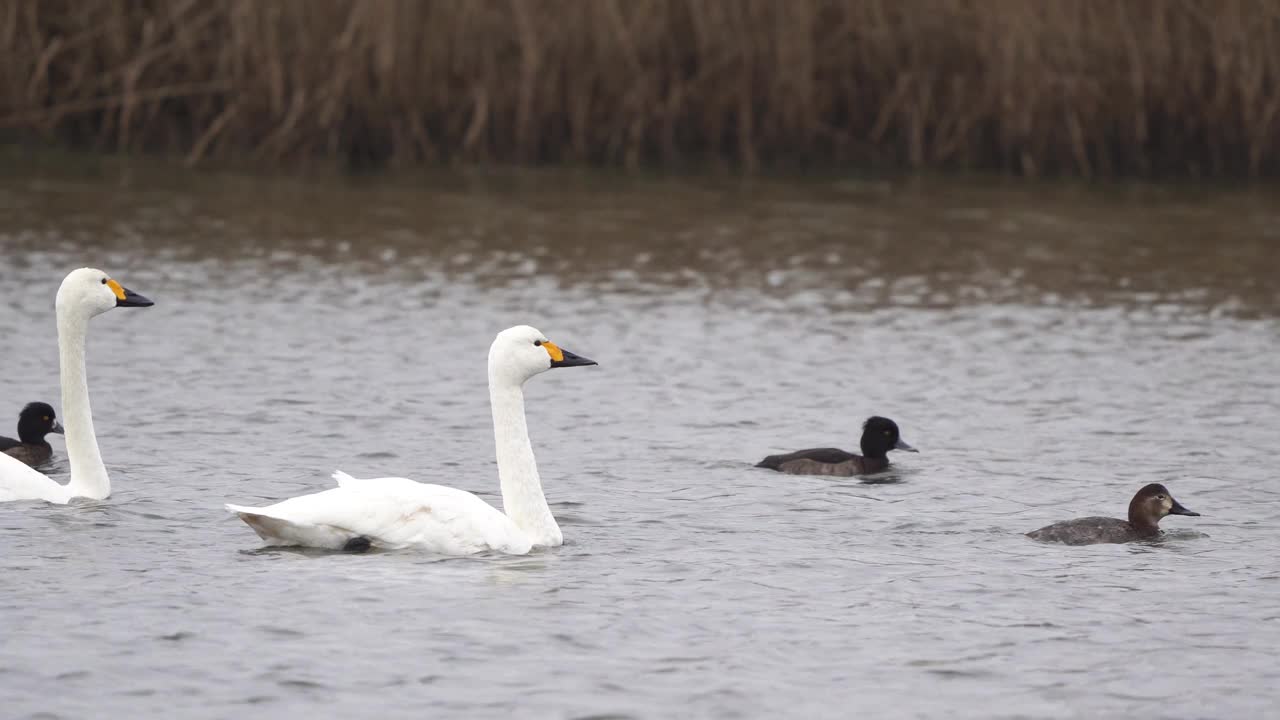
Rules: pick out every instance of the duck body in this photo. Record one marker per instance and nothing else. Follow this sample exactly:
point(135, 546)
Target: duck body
point(30, 454)
point(35, 421)
point(879, 436)
point(1091, 531)
point(1147, 508)
point(824, 461)
point(396, 513)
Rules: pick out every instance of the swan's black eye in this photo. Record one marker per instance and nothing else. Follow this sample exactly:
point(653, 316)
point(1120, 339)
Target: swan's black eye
point(537, 343)
point(104, 281)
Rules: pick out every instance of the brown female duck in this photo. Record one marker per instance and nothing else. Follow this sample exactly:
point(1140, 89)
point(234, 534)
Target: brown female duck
point(1146, 510)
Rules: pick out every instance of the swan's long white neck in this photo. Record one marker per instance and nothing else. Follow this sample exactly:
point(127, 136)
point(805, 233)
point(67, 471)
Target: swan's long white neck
point(522, 497)
point(88, 474)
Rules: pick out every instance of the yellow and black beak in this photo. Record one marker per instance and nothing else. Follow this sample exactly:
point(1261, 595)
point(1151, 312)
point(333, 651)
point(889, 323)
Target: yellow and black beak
point(563, 358)
point(126, 297)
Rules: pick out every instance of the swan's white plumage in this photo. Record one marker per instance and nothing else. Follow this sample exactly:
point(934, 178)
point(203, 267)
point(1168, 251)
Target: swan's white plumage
point(392, 513)
point(83, 294)
point(396, 513)
point(18, 481)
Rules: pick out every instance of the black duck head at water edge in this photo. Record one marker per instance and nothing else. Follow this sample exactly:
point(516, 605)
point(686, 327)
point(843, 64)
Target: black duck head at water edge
point(879, 436)
point(35, 421)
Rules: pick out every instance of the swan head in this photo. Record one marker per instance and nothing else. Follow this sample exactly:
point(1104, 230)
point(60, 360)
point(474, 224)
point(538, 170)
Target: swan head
point(521, 352)
point(93, 292)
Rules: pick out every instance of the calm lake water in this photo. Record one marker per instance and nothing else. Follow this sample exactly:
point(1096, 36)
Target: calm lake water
point(1048, 348)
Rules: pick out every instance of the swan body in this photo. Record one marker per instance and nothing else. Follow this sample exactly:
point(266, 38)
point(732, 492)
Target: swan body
point(397, 513)
point(392, 513)
point(83, 295)
point(19, 481)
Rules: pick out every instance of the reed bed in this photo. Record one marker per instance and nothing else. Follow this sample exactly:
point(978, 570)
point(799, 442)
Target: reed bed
point(1087, 87)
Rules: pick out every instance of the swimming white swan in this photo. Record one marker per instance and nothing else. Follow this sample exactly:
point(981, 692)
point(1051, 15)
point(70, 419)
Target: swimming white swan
point(397, 513)
point(84, 294)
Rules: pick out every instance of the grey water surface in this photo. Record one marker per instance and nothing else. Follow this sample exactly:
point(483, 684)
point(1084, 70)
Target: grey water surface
point(1049, 349)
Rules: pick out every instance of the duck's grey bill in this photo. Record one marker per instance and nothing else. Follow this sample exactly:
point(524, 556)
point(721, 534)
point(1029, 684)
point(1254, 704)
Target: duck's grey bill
point(572, 360)
point(1177, 509)
point(902, 445)
point(57, 428)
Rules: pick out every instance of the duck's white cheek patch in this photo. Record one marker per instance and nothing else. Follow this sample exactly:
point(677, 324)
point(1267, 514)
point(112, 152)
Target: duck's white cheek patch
point(115, 288)
point(557, 355)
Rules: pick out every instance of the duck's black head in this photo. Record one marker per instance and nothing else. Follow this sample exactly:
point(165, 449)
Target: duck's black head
point(1151, 504)
point(879, 436)
point(35, 421)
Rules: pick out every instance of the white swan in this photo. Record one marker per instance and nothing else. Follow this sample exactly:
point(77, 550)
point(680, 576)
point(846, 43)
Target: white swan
point(397, 513)
point(84, 293)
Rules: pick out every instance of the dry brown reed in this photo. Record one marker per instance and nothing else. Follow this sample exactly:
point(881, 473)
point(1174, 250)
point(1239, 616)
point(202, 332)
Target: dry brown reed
point(1090, 87)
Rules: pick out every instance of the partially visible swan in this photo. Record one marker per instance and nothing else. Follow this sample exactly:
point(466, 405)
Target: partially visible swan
point(84, 293)
point(397, 513)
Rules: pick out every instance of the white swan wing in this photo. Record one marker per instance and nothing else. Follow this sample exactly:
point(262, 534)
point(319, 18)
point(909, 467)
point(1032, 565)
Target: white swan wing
point(391, 513)
point(18, 481)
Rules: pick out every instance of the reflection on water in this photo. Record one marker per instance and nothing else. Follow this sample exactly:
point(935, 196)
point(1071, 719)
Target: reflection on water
point(848, 243)
point(1048, 348)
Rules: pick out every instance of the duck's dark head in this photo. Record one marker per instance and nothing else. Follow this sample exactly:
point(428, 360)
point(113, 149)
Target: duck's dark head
point(1153, 503)
point(879, 436)
point(35, 421)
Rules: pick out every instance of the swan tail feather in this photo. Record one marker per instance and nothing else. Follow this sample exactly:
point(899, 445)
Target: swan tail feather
point(343, 479)
point(276, 530)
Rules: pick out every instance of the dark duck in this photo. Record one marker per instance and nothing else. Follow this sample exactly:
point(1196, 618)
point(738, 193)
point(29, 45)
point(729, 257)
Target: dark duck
point(35, 421)
point(879, 436)
point(1146, 510)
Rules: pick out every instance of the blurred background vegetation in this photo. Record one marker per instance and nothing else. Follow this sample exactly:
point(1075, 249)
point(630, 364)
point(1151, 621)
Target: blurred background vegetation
point(1072, 87)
